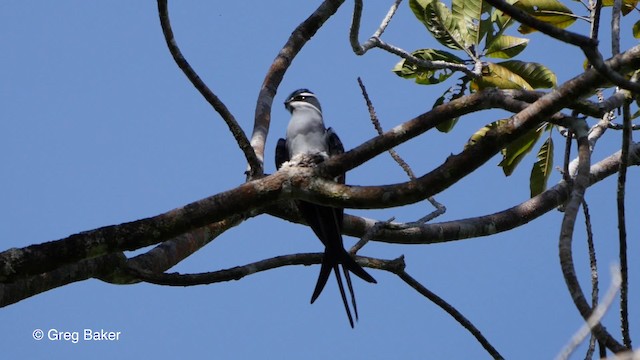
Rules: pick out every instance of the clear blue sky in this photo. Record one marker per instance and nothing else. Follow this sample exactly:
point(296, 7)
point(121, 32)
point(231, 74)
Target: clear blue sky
point(98, 127)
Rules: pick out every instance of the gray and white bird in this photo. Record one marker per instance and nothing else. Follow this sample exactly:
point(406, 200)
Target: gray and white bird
point(307, 135)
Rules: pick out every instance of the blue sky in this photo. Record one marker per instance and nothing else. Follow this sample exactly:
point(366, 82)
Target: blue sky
point(100, 127)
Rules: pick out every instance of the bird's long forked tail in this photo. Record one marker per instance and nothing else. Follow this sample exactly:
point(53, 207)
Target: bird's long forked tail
point(329, 263)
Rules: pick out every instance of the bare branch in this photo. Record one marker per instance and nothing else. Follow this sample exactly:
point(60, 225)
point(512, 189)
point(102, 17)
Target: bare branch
point(451, 311)
point(595, 317)
point(376, 42)
point(593, 265)
point(545, 28)
point(622, 226)
point(79, 271)
point(208, 95)
point(238, 272)
point(369, 235)
point(289, 51)
point(440, 209)
point(355, 27)
point(39, 258)
point(615, 27)
point(169, 253)
point(596, 60)
point(487, 224)
point(580, 184)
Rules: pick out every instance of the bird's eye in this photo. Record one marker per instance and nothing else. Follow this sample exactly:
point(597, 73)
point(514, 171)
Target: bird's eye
point(300, 98)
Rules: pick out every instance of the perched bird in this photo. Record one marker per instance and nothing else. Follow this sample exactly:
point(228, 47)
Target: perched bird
point(307, 135)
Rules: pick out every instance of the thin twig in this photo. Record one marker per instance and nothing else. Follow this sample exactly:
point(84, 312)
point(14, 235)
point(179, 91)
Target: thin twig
point(254, 163)
point(369, 235)
point(622, 226)
point(595, 317)
point(461, 319)
point(355, 27)
point(440, 209)
point(546, 28)
point(593, 266)
point(376, 42)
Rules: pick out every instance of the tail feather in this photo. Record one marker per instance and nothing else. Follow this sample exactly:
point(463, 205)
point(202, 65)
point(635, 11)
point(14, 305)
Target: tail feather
point(336, 270)
point(325, 271)
point(350, 264)
point(331, 261)
point(350, 287)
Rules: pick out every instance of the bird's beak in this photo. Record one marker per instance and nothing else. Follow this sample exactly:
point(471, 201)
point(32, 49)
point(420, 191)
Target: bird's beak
point(287, 106)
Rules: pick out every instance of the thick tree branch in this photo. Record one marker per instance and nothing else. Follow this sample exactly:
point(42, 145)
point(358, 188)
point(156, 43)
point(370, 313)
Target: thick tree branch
point(67, 274)
point(297, 40)
point(204, 90)
point(35, 259)
point(169, 253)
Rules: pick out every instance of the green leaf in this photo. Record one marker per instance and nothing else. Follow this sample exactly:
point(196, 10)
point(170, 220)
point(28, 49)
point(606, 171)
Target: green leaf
point(483, 131)
point(514, 74)
point(542, 168)
point(423, 75)
point(515, 151)
point(636, 30)
point(506, 47)
point(497, 76)
point(418, 7)
point(437, 18)
point(549, 11)
point(537, 75)
point(468, 14)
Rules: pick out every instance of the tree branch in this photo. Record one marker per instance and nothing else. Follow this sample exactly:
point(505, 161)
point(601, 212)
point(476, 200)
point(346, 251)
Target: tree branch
point(402, 274)
point(580, 184)
point(275, 74)
point(67, 274)
point(209, 96)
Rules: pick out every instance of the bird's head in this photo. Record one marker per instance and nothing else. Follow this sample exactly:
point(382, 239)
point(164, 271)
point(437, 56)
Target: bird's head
point(300, 99)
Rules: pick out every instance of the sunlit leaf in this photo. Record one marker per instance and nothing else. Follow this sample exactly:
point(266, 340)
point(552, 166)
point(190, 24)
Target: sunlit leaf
point(497, 76)
point(437, 18)
point(542, 168)
point(483, 131)
point(418, 6)
point(468, 13)
point(515, 151)
point(549, 11)
point(506, 47)
point(514, 74)
point(537, 75)
point(423, 75)
point(636, 30)
point(494, 26)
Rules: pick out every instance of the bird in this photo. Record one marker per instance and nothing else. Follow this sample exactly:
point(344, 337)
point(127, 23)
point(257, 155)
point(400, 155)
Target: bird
point(307, 135)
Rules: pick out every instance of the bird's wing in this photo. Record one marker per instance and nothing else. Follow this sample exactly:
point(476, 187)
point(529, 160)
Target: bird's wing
point(282, 155)
point(326, 222)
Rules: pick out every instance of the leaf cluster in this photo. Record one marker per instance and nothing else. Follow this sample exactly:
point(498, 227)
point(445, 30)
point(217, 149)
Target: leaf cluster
point(478, 33)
